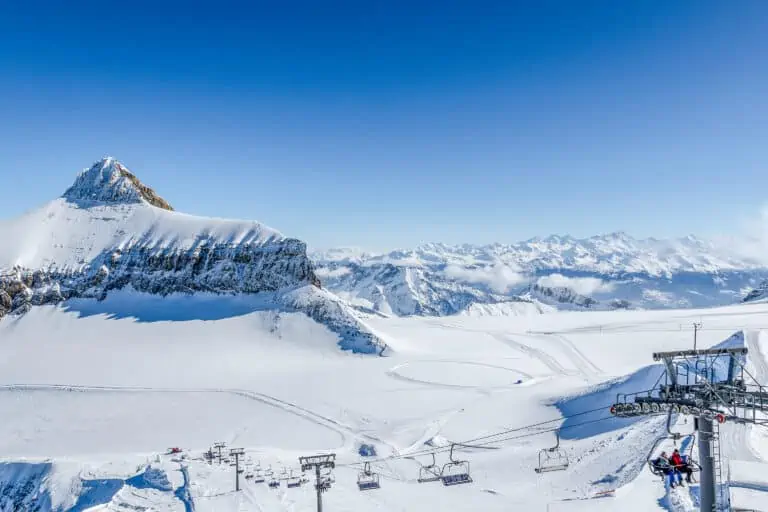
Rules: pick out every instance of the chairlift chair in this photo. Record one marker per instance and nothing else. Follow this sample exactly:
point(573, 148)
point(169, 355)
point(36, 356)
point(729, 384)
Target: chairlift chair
point(430, 472)
point(675, 437)
point(553, 459)
point(274, 481)
point(455, 472)
point(258, 477)
point(293, 482)
point(367, 479)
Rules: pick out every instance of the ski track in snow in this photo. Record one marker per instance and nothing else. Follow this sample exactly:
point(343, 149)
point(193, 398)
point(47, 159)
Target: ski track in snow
point(483, 389)
point(535, 353)
point(348, 434)
point(582, 362)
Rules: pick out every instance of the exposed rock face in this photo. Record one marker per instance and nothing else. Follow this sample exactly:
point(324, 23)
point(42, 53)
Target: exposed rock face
point(761, 292)
point(562, 295)
point(210, 267)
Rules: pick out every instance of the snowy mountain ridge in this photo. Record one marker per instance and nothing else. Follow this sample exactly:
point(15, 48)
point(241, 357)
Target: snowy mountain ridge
point(613, 271)
point(110, 232)
point(611, 254)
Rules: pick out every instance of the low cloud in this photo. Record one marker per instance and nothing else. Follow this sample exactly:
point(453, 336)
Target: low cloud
point(498, 278)
point(327, 273)
point(752, 240)
point(581, 285)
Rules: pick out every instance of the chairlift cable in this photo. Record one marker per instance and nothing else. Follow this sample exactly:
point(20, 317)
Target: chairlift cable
point(486, 439)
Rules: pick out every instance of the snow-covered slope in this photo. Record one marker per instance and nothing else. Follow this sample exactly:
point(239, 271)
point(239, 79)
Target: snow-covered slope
point(109, 232)
point(93, 397)
point(612, 271)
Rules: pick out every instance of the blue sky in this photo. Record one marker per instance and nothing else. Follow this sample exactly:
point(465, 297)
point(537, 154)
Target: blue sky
point(386, 124)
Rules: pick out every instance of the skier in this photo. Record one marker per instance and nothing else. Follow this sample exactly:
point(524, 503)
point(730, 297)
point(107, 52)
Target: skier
point(681, 465)
point(663, 465)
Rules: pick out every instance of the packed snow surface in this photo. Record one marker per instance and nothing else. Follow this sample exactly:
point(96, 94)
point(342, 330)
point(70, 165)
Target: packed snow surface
point(92, 400)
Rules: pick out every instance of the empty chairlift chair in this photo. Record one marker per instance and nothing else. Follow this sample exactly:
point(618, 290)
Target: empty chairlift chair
point(553, 459)
point(270, 476)
point(258, 477)
point(430, 472)
point(293, 482)
point(367, 479)
point(455, 472)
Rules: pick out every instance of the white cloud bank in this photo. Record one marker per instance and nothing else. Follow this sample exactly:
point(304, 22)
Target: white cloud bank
point(581, 285)
point(751, 241)
point(326, 273)
point(498, 277)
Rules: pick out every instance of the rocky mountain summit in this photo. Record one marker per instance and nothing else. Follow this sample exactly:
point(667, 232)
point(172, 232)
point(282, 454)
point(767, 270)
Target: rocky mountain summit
point(109, 231)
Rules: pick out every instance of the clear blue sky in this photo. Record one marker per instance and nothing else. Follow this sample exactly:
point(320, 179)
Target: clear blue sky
point(384, 124)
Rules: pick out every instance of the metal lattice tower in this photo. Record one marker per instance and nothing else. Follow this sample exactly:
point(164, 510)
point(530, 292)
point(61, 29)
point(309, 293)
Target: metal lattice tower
point(237, 452)
point(710, 385)
point(318, 462)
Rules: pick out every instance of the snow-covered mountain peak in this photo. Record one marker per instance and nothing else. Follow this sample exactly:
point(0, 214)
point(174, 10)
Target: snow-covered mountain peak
point(109, 181)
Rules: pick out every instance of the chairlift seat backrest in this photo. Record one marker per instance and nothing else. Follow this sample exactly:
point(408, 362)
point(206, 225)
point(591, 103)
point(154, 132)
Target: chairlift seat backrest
point(552, 459)
point(367, 486)
point(367, 479)
point(455, 479)
point(455, 471)
point(429, 473)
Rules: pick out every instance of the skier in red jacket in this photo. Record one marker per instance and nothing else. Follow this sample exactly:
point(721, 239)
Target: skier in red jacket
point(677, 462)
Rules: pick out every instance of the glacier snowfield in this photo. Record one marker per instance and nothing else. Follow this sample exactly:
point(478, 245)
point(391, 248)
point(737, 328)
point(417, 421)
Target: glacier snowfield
point(92, 400)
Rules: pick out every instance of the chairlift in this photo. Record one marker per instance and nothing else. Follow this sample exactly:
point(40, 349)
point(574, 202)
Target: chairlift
point(553, 459)
point(293, 481)
point(367, 479)
point(274, 482)
point(430, 472)
point(258, 477)
point(455, 471)
point(675, 437)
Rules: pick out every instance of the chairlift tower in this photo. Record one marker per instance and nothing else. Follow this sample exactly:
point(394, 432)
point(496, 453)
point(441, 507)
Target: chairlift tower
point(237, 452)
point(318, 462)
point(219, 447)
point(709, 385)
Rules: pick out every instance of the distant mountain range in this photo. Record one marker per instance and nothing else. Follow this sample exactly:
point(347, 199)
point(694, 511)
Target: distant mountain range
point(109, 231)
point(613, 271)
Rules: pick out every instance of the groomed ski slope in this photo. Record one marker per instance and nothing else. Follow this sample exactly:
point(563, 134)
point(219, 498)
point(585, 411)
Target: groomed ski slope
point(94, 401)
